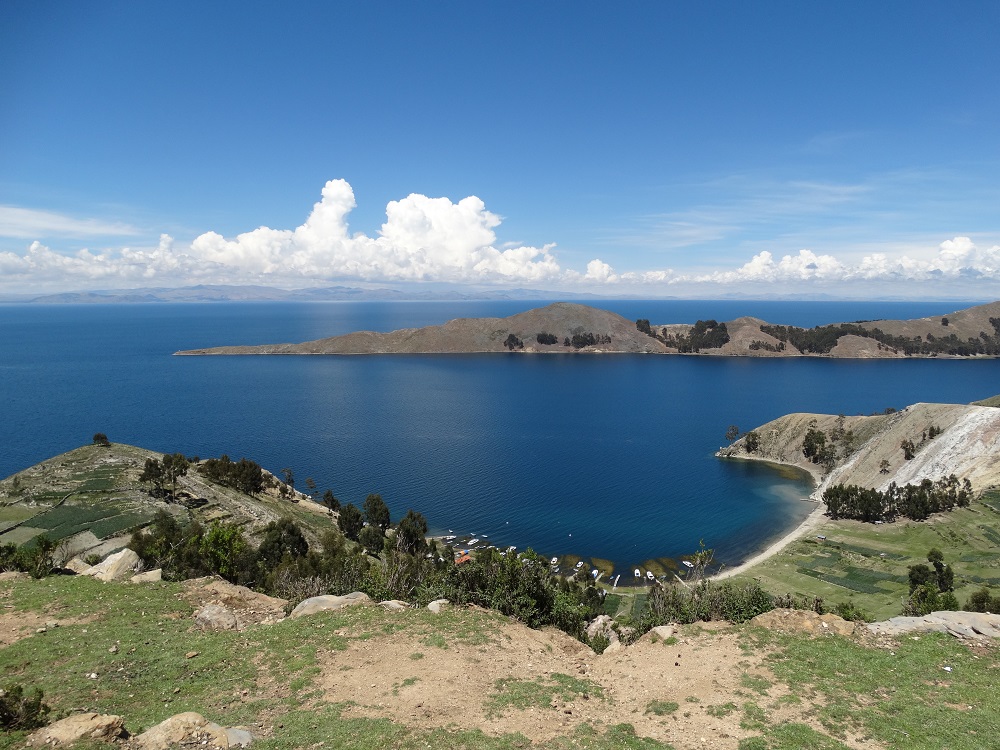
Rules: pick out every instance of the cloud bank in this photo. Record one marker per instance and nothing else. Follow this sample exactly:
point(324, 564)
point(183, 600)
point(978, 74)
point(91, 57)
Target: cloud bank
point(429, 239)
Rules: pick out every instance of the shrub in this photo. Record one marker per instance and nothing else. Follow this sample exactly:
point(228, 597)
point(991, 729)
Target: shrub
point(21, 712)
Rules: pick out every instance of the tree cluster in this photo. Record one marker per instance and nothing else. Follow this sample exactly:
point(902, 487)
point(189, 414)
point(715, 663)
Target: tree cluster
point(931, 589)
point(547, 339)
point(913, 501)
point(513, 343)
point(244, 475)
point(705, 334)
point(822, 339)
point(160, 473)
point(587, 338)
point(767, 346)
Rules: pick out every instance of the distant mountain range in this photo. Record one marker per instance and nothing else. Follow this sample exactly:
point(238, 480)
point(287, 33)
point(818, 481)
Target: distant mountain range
point(224, 293)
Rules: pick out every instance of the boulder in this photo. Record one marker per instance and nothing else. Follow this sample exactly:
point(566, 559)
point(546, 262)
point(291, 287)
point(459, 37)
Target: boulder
point(150, 576)
point(13, 575)
point(329, 603)
point(394, 605)
point(77, 565)
point(973, 625)
point(663, 632)
point(602, 625)
point(216, 617)
point(185, 728)
point(79, 727)
point(438, 605)
point(803, 621)
point(115, 567)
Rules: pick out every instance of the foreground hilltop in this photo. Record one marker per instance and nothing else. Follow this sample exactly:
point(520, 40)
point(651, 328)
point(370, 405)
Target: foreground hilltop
point(565, 327)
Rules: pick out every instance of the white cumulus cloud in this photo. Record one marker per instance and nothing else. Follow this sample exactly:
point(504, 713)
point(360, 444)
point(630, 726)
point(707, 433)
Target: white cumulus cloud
point(436, 239)
point(422, 239)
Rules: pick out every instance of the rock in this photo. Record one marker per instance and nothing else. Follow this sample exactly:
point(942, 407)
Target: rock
point(663, 632)
point(438, 605)
point(614, 648)
point(238, 737)
point(803, 621)
point(13, 575)
point(394, 605)
point(250, 607)
point(602, 625)
point(216, 617)
point(73, 729)
point(115, 567)
point(189, 727)
point(77, 565)
point(975, 625)
point(150, 576)
point(329, 603)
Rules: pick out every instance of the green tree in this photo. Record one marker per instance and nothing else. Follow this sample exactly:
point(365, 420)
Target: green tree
point(152, 473)
point(372, 539)
point(332, 503)
point(513, 342)
point(281, 538)
point(377, 512)
point(642, 325)
point(175, 465)
point(102, 440)
point(732, 432)
point(410, 533)
point(751, 441)
point(222, 546)
point(351, 521)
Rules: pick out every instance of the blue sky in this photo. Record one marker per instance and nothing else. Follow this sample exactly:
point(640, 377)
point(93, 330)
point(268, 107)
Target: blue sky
point(663, 148)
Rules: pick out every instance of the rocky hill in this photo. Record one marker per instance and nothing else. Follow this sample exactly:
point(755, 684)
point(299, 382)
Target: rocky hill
point(565, 327)
point(91, 500)
point(963, 440)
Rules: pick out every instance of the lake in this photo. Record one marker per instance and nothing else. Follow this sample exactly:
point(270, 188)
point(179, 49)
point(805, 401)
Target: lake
point(605, 457)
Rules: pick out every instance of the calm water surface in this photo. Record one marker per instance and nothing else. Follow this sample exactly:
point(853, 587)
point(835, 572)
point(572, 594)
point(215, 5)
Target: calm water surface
point(608, 457)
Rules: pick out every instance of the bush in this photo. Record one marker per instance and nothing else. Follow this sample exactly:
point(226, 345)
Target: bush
point(21, 712)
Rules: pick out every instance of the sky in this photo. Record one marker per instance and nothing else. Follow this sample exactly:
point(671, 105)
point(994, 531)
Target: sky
point(653, 149)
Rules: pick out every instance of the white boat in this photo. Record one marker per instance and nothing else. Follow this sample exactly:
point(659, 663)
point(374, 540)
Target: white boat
point(638, 573)
point(579, 565)
point(650, 576)
point(473, 542)
point(595, 572)
point(688, 563)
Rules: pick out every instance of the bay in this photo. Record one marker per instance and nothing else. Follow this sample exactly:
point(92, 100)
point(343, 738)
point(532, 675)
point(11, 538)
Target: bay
point(607, 457)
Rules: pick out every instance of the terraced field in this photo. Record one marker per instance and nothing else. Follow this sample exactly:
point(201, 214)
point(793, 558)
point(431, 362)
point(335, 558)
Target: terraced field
point(867, 563)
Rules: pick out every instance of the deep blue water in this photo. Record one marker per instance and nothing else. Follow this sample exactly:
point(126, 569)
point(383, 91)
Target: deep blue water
point(608, 457)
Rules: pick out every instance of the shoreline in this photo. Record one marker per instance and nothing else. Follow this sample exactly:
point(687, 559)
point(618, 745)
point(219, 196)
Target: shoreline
point(813, 521)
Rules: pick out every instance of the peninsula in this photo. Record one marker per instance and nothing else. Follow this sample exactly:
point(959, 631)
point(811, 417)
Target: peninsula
point(565, 327)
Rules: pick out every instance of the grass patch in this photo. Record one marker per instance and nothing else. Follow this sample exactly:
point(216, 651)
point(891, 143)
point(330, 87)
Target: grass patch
point(755, 682)
point(511, 693)
point(662, 708)
point(721, 711)
point(791, 736)
point(903, 698)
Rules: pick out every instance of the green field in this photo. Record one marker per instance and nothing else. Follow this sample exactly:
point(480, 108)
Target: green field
point(867, 563)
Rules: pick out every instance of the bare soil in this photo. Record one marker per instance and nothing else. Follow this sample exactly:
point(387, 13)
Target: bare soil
point(706, 673)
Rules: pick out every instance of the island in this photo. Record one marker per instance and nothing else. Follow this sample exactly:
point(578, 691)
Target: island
point(571, 328)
